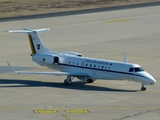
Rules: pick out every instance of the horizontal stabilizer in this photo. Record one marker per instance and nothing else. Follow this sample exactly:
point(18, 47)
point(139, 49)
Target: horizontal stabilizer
point(27, 30)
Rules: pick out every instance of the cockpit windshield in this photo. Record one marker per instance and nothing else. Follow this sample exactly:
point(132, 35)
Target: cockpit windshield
point(136, 69)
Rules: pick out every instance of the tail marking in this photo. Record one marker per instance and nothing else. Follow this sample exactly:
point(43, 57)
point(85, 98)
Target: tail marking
point(31, 44)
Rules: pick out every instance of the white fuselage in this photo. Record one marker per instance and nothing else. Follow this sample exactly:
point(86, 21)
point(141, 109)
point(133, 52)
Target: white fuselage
point(94, 68)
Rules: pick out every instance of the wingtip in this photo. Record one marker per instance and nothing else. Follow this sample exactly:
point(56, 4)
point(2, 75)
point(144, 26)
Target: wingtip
point(11, 67)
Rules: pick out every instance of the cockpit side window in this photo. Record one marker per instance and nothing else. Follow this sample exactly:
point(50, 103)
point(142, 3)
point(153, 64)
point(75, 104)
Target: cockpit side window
point(131, 70)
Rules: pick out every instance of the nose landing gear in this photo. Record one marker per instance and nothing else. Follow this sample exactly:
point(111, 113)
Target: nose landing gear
point(143, 88)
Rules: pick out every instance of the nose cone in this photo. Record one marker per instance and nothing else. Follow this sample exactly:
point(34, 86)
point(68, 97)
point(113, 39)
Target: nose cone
point(149, 77)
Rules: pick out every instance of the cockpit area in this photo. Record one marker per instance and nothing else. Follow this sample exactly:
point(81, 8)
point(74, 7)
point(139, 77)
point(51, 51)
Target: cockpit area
point(136, 69)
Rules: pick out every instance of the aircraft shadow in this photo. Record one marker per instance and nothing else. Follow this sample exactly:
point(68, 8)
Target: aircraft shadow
point(77, 85)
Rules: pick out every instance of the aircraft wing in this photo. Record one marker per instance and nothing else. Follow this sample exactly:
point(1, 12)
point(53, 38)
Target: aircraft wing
point(49, 73)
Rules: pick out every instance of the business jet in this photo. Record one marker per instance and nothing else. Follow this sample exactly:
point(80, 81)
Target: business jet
point(73, 64)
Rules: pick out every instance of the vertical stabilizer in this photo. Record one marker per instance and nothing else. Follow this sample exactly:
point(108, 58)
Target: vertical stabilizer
point(125, 58)
point(34, 40)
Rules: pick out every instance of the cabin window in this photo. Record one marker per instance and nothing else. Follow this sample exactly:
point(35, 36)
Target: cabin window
point(102, 67)
point(73, 63)
point(90, 65)
point(94, 66)
point(69, 62)
point(77, 63)
point(86, 65)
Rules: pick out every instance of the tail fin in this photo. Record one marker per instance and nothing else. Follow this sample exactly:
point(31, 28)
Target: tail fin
point(125, 58)
point(34, 40)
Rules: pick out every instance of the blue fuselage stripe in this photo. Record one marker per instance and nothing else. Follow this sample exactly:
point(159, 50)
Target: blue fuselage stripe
point(100, 69)
point(95, 69)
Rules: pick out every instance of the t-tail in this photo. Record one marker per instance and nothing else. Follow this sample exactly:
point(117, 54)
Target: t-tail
point(34, 40)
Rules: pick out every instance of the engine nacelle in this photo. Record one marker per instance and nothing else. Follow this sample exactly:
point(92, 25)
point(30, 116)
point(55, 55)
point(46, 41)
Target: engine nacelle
point(55, 60)
point(42, 59)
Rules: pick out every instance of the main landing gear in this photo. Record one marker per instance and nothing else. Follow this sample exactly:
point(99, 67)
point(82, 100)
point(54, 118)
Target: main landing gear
point(143, 88)
point(89, 80)
point(68, 80)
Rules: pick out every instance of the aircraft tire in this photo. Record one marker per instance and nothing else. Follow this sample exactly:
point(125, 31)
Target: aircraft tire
point(89, 80)
point(143, 88)
point(66, 82)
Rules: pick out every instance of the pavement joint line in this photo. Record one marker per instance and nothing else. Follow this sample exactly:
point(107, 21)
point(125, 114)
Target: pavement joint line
point(137, 114)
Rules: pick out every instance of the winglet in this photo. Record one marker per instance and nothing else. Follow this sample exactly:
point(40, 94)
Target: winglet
point(125, 58)
point(11, 67)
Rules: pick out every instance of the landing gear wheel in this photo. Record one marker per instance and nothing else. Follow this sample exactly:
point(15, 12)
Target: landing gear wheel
point(143, 88)
point(66, 82)
point(89, 80)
